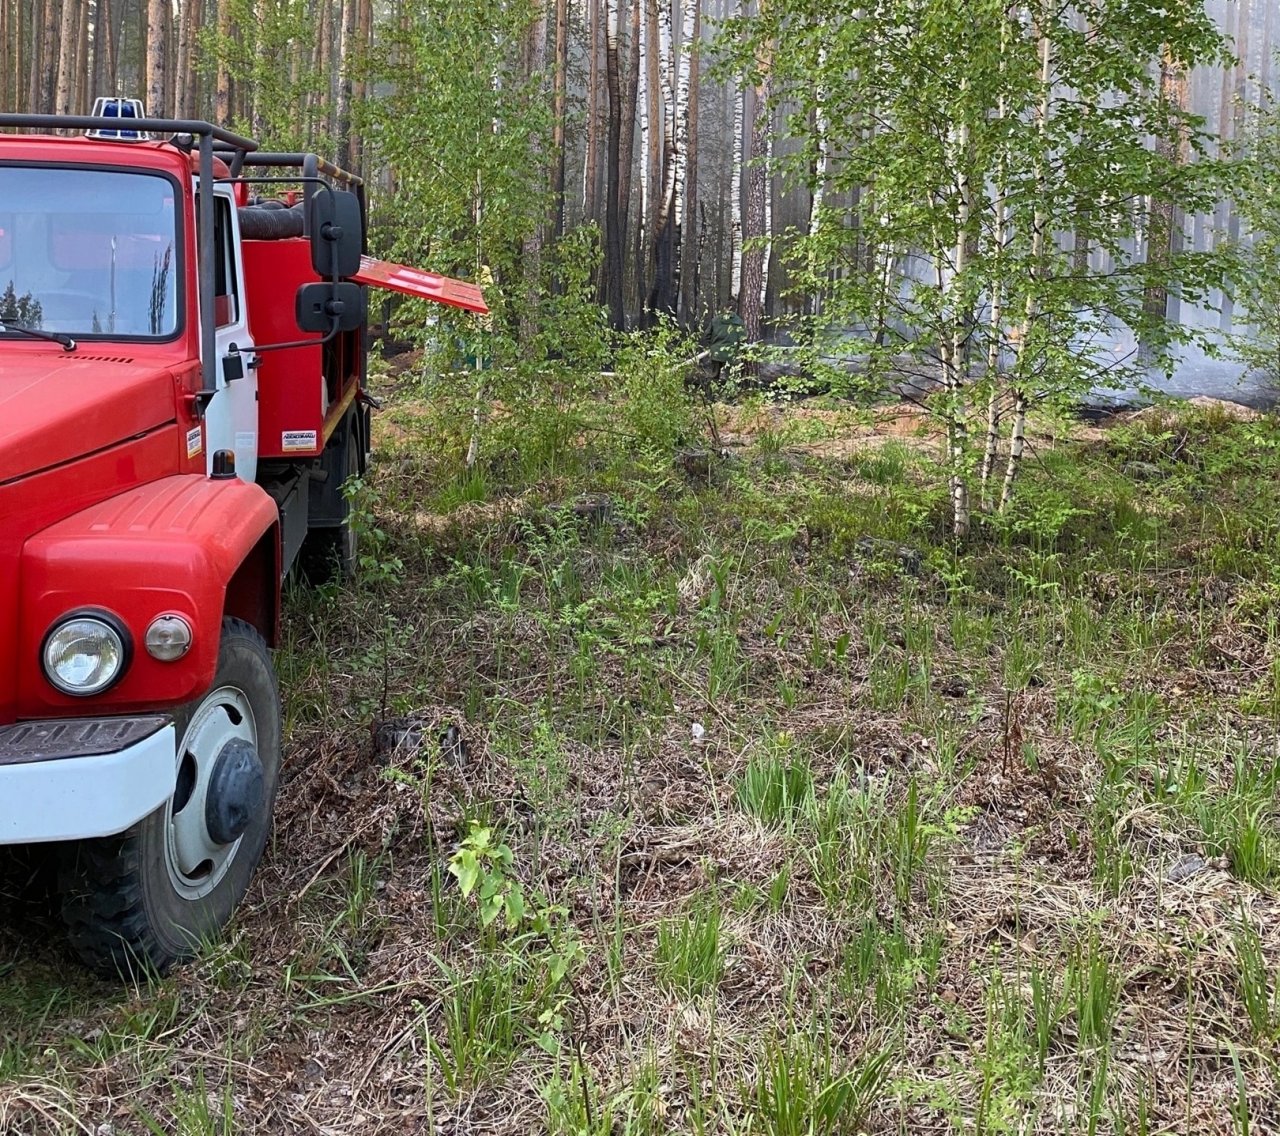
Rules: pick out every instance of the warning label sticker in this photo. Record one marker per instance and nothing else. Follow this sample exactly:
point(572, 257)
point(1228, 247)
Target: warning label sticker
point(195, 441)
point(294, 440)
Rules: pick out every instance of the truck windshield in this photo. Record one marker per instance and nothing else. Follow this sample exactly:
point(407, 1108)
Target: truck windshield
point(88, 252)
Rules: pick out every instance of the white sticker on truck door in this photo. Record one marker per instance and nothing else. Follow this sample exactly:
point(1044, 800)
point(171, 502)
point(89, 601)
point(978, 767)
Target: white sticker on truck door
point(294, 440)
point(195, 441)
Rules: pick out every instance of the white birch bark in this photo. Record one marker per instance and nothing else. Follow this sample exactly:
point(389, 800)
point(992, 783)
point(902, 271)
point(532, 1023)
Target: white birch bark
point(995, 325)
point(768, 221)
point(1017, 442)
point(680, 103)
point(738, 173)
point(955, 352)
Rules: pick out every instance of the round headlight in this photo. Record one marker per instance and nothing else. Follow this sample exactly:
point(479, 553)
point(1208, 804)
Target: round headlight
point(85, 654)
point(168, 638)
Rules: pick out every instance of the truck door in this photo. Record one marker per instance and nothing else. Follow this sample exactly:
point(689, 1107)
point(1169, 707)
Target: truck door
point(231, 419)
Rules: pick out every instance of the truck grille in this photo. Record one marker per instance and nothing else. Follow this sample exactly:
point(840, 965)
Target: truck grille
point(84, 737)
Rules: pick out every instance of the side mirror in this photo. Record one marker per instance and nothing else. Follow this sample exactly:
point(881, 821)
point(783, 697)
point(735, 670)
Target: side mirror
point(337, 237)
point(318, 305)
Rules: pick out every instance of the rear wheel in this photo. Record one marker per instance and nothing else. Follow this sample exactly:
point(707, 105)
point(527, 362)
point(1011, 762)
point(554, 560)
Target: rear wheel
point(139, 902)
point(331, 551)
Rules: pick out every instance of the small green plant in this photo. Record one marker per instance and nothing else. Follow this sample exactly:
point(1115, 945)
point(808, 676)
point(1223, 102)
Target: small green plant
point(777, 786)
point(690, 952)
point(1048, 1008)
point(486, 1018)
point(482, 867)
point(1259, 988)
point(378, 562)
point(803, 1088)
point(1092, 986)
point(197, 1111)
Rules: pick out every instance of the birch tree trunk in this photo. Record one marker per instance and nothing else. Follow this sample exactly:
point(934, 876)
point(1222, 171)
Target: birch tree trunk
point(614, 216)
point(737, 189)
point(629, 115)
point(755, 174)
point(691, 265)
point(652, 127)
point(954, 350)
point(1018, 439)
point(995, 322)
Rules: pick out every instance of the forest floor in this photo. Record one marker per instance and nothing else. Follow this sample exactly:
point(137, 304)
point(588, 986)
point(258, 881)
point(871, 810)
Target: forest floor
point(806, 821)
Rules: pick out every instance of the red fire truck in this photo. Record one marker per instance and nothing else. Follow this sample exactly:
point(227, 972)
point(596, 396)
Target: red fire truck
point(182, 363)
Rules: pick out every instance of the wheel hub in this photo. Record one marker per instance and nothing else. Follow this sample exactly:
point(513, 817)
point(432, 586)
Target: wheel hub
point(235, 791)
point(220, 789)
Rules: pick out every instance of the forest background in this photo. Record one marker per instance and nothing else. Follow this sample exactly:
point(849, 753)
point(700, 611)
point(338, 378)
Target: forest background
point(1009, 205)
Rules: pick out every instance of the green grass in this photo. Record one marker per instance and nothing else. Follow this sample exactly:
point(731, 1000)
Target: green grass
point(689, 956)
point(809, 835)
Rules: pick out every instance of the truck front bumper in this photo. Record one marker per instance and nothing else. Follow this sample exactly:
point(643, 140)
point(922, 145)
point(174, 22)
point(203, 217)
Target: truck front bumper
point(79, 778)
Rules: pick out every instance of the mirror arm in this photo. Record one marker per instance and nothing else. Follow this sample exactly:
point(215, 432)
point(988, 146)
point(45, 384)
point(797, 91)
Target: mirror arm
point(334, 327)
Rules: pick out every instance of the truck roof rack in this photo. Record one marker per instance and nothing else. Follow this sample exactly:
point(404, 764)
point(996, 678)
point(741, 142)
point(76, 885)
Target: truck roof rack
point(311, 165)
point(206, 134)
point(197, 128)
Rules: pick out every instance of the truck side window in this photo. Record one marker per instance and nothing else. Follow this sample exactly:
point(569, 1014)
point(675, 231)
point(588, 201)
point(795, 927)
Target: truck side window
point(226, 303)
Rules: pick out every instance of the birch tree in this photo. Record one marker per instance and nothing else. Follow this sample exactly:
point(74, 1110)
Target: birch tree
point(998, 127)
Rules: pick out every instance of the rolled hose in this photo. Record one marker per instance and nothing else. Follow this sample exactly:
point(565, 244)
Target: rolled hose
point(269, 222)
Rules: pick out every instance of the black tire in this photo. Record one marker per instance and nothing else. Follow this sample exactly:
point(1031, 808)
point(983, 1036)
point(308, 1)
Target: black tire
point(130, 907)
point(332, 552)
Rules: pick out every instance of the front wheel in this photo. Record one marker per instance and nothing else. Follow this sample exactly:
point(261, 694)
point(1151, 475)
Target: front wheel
point(142, 901)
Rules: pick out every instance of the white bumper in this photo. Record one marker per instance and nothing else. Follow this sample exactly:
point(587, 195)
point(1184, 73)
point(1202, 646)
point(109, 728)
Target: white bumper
point(53, 786)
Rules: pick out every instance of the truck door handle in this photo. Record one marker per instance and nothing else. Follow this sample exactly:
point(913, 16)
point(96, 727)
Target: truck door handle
point(232, 365)
point(235, 363)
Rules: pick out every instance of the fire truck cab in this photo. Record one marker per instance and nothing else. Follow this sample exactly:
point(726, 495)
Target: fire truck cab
point(182, 365)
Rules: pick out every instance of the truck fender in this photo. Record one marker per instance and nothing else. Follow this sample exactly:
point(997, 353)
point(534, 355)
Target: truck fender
point(185, 545)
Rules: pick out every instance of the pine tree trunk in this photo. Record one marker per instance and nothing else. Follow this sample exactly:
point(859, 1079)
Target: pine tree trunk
point(82, 98)
point(36, 61)
point(559, 110)
point(531, 250)
point(365, 28)
point(321, 100)
point(185, 94)
point(155, 57)
point(52, 54)
point(9, 50)
point(223, 92)
point(345, 54)
point(105, 51)
point(69, 40)
point(591, 159)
